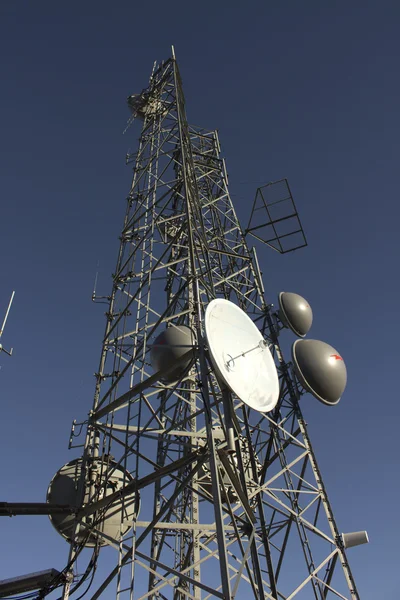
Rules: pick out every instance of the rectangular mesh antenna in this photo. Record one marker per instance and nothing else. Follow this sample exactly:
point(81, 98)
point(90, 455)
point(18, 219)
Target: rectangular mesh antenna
point(274, 219)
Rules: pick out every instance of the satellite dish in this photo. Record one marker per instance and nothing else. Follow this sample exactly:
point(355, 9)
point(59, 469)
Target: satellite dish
point(241, 356)
point(63, 489)
point(169, 347)
point(295, 313)
point(320, 369)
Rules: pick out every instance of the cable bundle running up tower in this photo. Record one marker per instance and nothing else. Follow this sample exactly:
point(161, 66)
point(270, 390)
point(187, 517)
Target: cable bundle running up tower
point(197, 467)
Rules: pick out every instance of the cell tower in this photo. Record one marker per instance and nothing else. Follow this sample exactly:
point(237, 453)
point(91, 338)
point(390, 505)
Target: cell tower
point(197, 468)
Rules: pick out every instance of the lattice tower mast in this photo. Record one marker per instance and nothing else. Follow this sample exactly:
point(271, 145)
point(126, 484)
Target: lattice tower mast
point(232, 501)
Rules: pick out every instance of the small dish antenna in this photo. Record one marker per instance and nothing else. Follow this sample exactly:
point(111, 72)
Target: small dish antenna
point(320, 369)
point(240, 355)
point(109, 478)
point(168, 349)
point(295, 313)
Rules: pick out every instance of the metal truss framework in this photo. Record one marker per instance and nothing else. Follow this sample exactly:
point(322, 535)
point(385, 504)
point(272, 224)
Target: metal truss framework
point(253, 523)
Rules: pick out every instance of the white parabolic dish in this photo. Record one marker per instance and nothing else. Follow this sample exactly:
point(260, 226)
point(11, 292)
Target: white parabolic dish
point(240, 356)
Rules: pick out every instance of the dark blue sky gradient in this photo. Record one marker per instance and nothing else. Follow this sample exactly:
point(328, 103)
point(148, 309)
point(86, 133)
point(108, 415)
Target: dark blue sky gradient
point(307, 90)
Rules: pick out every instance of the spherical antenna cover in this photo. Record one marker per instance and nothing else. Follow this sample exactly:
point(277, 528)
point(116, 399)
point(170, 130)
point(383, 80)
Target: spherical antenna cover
point(169, 347)
point(320, 369)
point(295, 313)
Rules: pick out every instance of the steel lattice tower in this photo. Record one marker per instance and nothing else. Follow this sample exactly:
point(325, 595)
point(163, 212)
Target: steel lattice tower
point(210, 523)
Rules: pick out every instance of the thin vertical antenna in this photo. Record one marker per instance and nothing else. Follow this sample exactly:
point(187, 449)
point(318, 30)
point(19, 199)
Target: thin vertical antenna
point(95, 297)
point(8, 310)
point(4, 324)
point(173, 52)
point(95, 283)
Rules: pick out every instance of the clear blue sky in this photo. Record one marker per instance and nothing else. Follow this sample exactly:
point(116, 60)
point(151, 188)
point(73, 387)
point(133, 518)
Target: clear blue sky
point(303, 89)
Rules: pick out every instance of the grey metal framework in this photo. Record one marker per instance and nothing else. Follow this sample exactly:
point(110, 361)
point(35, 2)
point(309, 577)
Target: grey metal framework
point(252, 521)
